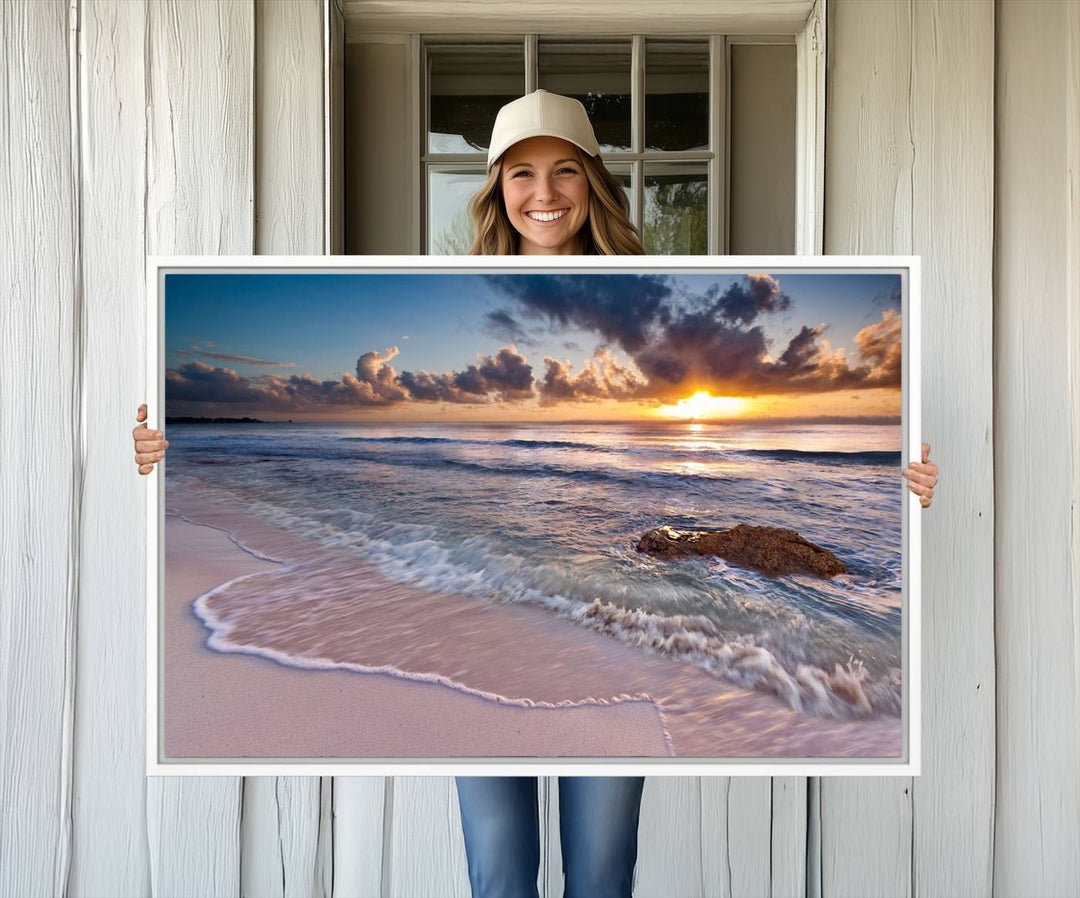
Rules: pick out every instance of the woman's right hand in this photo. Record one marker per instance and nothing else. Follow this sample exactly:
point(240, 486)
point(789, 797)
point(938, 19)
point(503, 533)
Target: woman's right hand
point(150, 445)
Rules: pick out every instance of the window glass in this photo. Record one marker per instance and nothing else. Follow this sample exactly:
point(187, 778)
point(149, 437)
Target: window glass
point(676, 95)
point(449, 190)
point(467, 84)
point(676, 208)
point(597, 74)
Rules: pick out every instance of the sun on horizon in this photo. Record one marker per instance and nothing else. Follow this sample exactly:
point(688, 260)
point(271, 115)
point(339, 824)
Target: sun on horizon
point(704, 405)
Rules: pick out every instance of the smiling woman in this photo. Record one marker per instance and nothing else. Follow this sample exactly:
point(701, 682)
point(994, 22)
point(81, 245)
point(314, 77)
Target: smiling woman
point(547, 191)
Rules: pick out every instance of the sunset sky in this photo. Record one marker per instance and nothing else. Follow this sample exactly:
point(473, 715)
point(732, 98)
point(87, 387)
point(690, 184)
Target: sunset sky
point(576, 346)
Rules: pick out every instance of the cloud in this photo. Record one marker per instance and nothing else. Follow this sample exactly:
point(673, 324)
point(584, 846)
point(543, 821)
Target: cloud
point(374, 384)
point(745, 300)
point(602, 377)
point(225, 357)
point(618, 308)
point(504, 326)
point(881, 345)
point(505, 375)
point(199, 382)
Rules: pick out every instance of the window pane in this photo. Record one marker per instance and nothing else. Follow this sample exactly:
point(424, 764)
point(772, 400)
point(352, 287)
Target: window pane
point(676, 95)
point(676, 208)
point(597, 74)
point(467, 84)
point(449, 192)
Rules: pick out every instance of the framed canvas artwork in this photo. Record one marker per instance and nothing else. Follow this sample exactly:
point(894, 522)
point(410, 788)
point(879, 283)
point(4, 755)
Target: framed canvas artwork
point(579, 515)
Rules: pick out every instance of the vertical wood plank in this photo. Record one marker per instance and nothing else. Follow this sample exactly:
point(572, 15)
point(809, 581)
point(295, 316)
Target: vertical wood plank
point(910, 158)
point(1037, 819)
point(40, 451)
point(788, 834)
point(289, 127)
point(199, 199)
point(952, 78)
point(425, 851)
point(360, 815)
point(281, 815)
point(670, 839)
point(869, 158)
point(736, 836)
point(110, 752)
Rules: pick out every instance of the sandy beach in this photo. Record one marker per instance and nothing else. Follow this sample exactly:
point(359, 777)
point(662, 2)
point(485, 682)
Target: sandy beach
point(422, 674)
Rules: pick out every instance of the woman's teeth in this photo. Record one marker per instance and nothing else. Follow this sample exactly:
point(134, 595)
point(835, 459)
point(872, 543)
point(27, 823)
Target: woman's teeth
point(546, 216)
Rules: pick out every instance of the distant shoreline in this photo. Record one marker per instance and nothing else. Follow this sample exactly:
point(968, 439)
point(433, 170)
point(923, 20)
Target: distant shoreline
point(873, 421)
point(186, 419)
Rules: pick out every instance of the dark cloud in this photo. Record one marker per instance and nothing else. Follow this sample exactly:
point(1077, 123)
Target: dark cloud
point(504, 326)
point(374, 384)
point(427, 387)
point(505, 375)
point(745, 300)
point(199, 382)
point(620, 308)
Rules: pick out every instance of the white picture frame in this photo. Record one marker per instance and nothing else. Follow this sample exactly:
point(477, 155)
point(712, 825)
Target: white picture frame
point(907, 764)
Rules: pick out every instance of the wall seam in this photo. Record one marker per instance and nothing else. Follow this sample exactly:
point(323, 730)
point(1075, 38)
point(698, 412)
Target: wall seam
point(78, 441)
point(994, 438)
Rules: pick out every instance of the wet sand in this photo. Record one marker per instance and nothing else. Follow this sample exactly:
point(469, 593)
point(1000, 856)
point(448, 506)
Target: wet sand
point(421, 674)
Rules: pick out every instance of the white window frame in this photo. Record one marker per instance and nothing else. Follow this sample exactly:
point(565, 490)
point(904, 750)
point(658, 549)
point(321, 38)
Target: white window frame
point(810, 125)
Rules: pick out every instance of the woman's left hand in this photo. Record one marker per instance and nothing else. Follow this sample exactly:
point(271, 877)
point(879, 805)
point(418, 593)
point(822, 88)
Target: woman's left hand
point(922, 477)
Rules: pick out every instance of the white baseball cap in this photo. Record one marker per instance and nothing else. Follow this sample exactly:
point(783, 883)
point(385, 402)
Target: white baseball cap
point(541, 114)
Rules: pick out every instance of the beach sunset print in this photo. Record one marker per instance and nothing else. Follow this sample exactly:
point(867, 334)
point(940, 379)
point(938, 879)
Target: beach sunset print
point(454, 515)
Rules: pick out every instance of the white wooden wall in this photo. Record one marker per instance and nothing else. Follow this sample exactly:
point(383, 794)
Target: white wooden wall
point(200, 127)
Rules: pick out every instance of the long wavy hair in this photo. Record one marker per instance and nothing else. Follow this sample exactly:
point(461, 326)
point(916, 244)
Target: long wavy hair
point(607, 230)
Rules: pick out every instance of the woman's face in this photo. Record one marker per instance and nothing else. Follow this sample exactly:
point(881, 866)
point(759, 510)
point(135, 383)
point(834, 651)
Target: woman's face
point(546, 195)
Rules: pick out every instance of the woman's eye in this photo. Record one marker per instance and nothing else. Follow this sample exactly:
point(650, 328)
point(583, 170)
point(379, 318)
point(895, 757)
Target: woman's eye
point(519, 174)
point(569, 171)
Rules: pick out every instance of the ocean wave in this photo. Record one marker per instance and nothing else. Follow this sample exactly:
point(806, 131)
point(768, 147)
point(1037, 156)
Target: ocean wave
point(860, 457)
point(847, 691)
point(772, 660)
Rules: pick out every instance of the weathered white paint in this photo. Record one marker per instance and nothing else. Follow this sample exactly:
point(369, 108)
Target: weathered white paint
point(199, 198)
point(109, 834)
point(281, 815)
point(1036, 838)
point(425, 849)
point(557, 17)
point(40, 451)
point(361, 807)
point(909, 153)
point(952, 130)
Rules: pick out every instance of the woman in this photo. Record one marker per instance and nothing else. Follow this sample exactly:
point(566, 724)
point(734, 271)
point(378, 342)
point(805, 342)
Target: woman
point(548, 193)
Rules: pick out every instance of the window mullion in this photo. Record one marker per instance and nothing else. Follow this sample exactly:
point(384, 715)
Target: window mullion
point(637, 128)
point(718, 106)
point(532, 59)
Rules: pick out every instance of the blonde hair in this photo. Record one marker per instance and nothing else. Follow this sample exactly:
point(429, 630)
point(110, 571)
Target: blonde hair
point(607, 231)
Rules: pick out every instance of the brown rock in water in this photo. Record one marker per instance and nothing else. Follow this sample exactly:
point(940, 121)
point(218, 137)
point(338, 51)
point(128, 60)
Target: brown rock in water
point(770, 550)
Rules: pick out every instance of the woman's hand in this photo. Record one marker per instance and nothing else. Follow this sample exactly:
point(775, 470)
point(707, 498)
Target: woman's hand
point(150, 445)
point(922, 477)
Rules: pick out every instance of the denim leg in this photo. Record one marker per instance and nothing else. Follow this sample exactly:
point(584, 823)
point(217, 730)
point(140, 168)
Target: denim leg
point(500, 818)
point(598, 821)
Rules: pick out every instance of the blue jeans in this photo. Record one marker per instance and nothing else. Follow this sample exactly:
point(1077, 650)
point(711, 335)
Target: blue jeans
point(598, 820)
